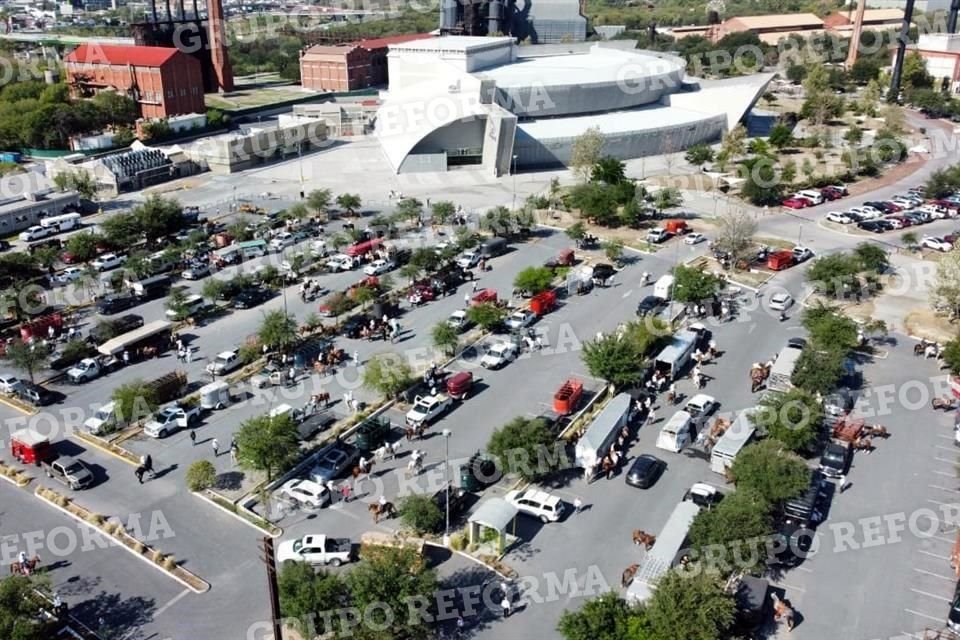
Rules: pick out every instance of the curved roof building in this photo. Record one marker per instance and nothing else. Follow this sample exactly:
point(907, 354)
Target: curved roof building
point(462, 100)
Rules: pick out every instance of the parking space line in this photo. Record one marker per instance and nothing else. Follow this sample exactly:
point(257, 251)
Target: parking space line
point(923, 615)
point(944, 473)
point(935, 575)
point(946, 437)
point(934, 486)
point(935, 555)
point(945, 460)
point(172, 602)
point(804, 569)
point(940, 446)
point(931, 595)
point(938, 501)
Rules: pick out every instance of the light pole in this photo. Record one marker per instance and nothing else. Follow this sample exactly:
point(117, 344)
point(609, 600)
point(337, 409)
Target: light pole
point(300, 163)
point(514, 182)
point(446, 475)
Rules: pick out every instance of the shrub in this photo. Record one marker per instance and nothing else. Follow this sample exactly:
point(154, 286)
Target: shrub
point(201, 475)
point(139, 547)
point(458, 541)
point(95, 519)
point(169, 563)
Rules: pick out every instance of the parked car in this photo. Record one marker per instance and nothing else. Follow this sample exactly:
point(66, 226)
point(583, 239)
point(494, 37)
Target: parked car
point(801, 254)
point(196, 270)
point(645, 471)
point(459, 320)
point(839, 218)
point(34, 394)
point(71, 472)
point(520, 319)
point(305, 492)
point(333, 461)
point(68, 275)
point(468, 259)
point(694, 238)
point(936, 243)
point(379, 267)
point(781, 301)
point(499, 355)
point(703, 495)
point(873, 226)
point(898, 222)
point(537, 503)
point(114, 303)
point(796, 203)
point(249, 298)
point(316, 550)
point(170, 419)
point(108, 261)
point(651, 305)
point(9, 384)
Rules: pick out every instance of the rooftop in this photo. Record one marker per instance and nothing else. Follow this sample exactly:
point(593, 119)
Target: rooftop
point(121, 55)
point(647, 118)
point(598, 65)
point(453, 43)
point(778, 21)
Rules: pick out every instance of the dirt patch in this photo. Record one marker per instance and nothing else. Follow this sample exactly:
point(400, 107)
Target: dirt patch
point(925, 323)
point(862, 311)
point(776, 243)
point(752, 278)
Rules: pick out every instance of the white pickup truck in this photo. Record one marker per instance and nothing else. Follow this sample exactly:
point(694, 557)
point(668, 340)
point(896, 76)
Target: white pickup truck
point(318, 549)
point(170, 419)
point(90, 368)
point(427, 408)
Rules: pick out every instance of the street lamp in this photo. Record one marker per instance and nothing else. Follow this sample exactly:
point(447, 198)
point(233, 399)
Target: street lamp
point(300, 162)
point(446, 475)
point(514, 182)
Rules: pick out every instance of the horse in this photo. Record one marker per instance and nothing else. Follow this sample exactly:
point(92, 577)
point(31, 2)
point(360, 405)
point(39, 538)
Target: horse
point(415, 465)
point(782, 609)
point(627, 576)
point(362, 468)
point(863, 444)
point(642, 537)
point(387, 451)
point(25, 568)
point(877, 431)
point(386, 509)
point(412, 432)
point(608, 466)
point(919, 347)
point(946, 403)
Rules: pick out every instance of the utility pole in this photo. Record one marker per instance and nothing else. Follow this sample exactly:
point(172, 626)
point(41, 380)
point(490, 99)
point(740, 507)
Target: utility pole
point(273, 590)
point(300, 162)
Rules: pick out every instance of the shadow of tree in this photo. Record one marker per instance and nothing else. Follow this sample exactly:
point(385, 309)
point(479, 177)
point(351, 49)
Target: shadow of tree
point(77, 585)
point(230, 480)
point(122, 617)
point(474, 587)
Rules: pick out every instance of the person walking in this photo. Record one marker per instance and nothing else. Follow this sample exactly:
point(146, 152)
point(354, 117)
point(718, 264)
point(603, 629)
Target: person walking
point(215, 445)
point(466, 299)
point(148, 465)
point(188, 355)
point(577, 505)
point(475, 285)
point(332, 489)
point(842, 483)
point(126, 358)
point(193, 437)
point(139, 474)
point(356, 358)
point(506, 605)
point(234, 450)
point(345, 491)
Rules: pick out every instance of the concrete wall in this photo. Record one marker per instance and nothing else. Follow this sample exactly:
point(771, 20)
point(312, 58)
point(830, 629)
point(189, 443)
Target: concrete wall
point(424, 163)
point(459, 135)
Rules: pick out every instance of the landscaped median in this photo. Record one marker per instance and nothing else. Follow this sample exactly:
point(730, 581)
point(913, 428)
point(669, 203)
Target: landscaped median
point(13, 403)
point(14, 475)
point(240, 512)
point(107, 447)
point(164, 562)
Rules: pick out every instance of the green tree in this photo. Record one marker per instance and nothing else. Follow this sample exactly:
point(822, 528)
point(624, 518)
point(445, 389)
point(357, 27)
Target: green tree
point(769, 468)
point(533, 279)
point(618, 362)
point(268, 443)
point(788, 171)
point(864, 70)
point(426, 259)
point(608, 170)
point(735, 525)
point(350, 202)
point(667, 198)
point(854, 135)
point(363, 295)
point(699, 154)
point(613, 249)
point(819, 370)
point(690, 607)
point(134, 401)
point(157, 217)
point(277, 330)
point(213, 288)
point(525, 447)
point(297, 211)
point(910, 240)
point(442, 211)
point(794, 418)
point(835, 275)
point(829, 327)
point(945, 293)
point(21, 608)
point(83, 245)
point(780, 136)
point(388, 581)
point(596, 202)
point(486, 315)
point(606, 617)
point(388, 374)
point(177, 302)
point(201, 475)
point(796, 73)
point(585, 152)
point(319, 200)
point(306, 595)
point(116, 108)
point(693, 284)
point(951, 356)
point(734, 142)
point(577, 231)
point(761, 185)
point(420, 513)
point(28, 358)
point(872, 257)
point(914, 74)
point(445, 338)
point(410, 272)
point(410, 209)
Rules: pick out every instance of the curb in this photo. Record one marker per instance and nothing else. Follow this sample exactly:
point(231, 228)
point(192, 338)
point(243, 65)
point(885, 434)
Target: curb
point(103, 449)
point(237, 516)
point(31, 412)
point(469, 557)
point(14, 482)
point(128, 549)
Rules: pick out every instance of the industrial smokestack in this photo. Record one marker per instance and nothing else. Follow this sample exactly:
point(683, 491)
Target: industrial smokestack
point(494, 17)
point(894, 94)
point(952, 16)
point(218, 47)
point(448, 14)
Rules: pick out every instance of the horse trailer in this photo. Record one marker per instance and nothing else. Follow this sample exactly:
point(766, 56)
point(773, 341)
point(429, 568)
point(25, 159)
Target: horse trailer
point(676, 355)
point(602, 432)
point(732, 442)
point(660, 558)
point(781, 372)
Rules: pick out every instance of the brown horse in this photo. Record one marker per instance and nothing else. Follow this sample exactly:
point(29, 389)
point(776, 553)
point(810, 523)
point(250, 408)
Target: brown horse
point(358, 470)
point(642, 537)
point(627, 576)
point(386, 510)
point(782, 609)
point(25, 568)
point(412, 432)
point(946, 403)
point(863, 444)
point(877, 431)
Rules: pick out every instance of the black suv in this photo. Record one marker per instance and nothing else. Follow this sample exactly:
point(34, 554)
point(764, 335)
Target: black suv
point(249, 298)
point(459, 501)
point(650, 305)
point(114, 303)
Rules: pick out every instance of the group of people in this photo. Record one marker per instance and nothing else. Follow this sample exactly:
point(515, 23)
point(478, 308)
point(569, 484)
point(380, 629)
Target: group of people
point(309, 289)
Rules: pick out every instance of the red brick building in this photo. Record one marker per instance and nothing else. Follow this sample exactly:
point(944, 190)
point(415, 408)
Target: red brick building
point(163, 81)
point(351, 66)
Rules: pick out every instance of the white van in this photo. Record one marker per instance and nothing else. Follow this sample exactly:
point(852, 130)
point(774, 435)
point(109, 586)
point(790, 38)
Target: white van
point(286, 410)
point(663, 288)
point(225, 362)
point(676, 433)
point(193, 304)
point(809, 194)
point(102, 421)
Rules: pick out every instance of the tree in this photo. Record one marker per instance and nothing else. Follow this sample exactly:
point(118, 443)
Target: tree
point(951, 356)
point(21, 610)
point(914, 74)
point(307, 594)
point(667, 198)
point(796, 73)
point(134, 401)
point(693, 284)
point(585, 152)
point(854, 135)
point(410, 209)
point(794, 418)
point(613, 249)
point(788, 171)
point(769, 468)
point(382, 586)
point(524, 446)
point(618, 362)
point(596, 202)
point(425, 258)
point(864, 70)
point(577, 231)
point(834, 275)
point(606, 617)
point(350, 202)
point(735, 525)
point(872, 257)
point(699, 154)
point(363, 295)
point(445, 338)
point(442, 211)
point(946, 287)
point(297, 211)
point(420, 513)
point(319, 200)
point(486, 315)
point(910, 240)
point(734, 141)
point(735, 231)
point(157, 217)
point(780, 136)
point(533, 279)
point(83, 246)
point(79, 181)
point(28, 358)
point(829, 327)
point(278, 330)
point(608, 170)
point(819, 370)
point(201, 475)
point(177, 302)
point(761, 185)
point(116, 108)
point(213, 288)
point(388, 374)
point(268, 443)
point(411, 272)
point(690, 607)
point(893, 119)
